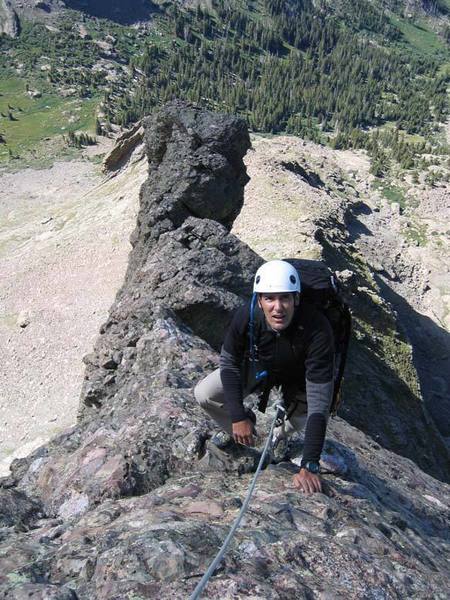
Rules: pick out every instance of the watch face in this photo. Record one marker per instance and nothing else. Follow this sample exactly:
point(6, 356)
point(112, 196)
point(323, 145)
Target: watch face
point(312, 467)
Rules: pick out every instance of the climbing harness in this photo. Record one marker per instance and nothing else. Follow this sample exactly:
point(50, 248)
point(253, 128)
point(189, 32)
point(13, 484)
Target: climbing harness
point(281, 434)
point(213, 566)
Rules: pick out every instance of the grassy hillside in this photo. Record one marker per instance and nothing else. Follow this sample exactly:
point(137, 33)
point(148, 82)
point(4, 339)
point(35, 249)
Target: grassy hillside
point(331, 73)
point(27, 121)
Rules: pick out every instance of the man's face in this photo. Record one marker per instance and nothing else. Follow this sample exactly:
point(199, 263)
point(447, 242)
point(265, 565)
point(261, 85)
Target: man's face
point(278, 309)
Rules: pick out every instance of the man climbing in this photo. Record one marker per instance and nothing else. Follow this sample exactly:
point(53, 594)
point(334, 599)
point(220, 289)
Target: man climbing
point(276, 340)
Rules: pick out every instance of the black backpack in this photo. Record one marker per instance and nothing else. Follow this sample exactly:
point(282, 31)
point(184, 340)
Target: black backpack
point(319, 287)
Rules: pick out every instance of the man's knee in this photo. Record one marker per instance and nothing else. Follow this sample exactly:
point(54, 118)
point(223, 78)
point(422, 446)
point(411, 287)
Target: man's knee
point(296, 423)
point(200, 393)
point(209, 389)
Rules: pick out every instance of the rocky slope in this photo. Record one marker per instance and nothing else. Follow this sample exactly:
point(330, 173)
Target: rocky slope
point(134, 501)
point(306, 200)
point(409, 260)
point(64, 247)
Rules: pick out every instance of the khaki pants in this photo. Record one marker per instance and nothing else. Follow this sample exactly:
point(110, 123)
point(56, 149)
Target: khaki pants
point(209, 394)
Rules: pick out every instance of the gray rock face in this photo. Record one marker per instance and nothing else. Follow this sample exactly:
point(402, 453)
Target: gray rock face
point(125, 145)
point(130, 503)
point(195, 169)
point(382, 392)
point(9, 21)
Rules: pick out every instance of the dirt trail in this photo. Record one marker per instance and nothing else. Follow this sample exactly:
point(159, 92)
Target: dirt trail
point(63, 251)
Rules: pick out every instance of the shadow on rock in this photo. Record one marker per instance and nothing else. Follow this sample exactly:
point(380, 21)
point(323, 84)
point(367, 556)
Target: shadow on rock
point(381, 393)
point(431, 356)
point(114, 10)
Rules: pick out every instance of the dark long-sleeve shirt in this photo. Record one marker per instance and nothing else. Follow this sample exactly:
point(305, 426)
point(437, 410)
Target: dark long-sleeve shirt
point(302, 354)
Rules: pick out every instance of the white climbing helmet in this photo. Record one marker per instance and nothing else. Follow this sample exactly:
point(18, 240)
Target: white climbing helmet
point(276, 276)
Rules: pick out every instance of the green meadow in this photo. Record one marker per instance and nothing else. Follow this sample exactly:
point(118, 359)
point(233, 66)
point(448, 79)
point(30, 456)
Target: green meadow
point(35, 119)
point(421, 39)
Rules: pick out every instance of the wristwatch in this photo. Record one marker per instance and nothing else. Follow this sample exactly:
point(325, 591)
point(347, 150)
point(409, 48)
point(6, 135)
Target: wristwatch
point(310, 465)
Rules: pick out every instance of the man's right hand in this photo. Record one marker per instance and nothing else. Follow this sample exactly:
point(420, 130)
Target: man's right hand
point(243, 432)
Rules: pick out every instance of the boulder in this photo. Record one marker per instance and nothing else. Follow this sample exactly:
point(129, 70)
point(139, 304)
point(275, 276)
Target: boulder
point(124, 147)
point(17, 510)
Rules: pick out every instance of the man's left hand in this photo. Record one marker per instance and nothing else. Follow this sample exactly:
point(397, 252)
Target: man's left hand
point(307, 482)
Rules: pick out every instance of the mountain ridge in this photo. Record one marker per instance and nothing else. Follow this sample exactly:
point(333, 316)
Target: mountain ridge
point(373, 73)
point(130, 501)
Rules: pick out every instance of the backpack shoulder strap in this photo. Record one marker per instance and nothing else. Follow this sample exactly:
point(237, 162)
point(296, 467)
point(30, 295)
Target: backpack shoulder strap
point(252, 327)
